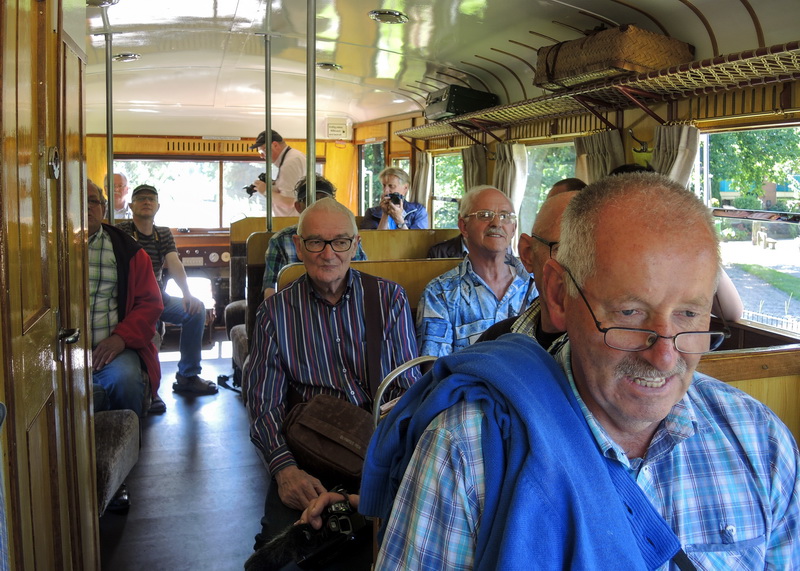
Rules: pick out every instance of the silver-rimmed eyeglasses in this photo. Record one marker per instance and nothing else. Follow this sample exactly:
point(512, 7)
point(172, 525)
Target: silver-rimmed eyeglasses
point(632, 339)
point(547, 243)
point(315, 245)
point(489, 215)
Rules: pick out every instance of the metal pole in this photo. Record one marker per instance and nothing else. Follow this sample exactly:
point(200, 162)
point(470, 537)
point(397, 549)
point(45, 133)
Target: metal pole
point(311, 91)
point(109, 124)
point(268, 118)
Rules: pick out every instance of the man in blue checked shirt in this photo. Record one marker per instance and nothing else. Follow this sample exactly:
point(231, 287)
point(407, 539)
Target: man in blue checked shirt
point(310, 339)
point(615, 455)
point(488, 286)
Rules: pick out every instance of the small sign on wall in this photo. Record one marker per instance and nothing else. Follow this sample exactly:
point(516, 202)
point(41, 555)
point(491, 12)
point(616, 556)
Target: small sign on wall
point(339, 129)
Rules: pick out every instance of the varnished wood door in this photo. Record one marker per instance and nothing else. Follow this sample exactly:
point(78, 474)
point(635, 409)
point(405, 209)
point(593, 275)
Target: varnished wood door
point(47, 433)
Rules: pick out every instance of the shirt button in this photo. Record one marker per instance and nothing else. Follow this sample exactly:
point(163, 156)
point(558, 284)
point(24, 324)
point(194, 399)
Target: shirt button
point(338, 340)
point(344, 370)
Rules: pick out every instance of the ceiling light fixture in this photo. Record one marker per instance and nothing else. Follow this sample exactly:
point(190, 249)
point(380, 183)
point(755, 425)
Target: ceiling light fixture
point(329, 66)
point(101, 3)
point(125, 57)
point(388, 16)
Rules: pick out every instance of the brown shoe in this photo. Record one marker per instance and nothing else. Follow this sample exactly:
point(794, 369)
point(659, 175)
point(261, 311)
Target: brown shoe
point(157, 406)
point(193, 385)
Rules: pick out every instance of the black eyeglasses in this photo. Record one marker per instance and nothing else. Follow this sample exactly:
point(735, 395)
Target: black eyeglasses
point(632, 339)
point(315, 245)
point(489, 215)
point(547, 243)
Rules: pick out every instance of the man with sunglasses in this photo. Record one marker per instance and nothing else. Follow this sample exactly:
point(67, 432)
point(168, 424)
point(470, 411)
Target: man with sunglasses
point(489, 285)
point(616, 454)
point(310, 339)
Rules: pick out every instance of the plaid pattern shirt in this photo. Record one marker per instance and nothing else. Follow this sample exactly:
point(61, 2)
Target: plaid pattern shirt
point(722, 470)
point(103, 304)
point(281, 252)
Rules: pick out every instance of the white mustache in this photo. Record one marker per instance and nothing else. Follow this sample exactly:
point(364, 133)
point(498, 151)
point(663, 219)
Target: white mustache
point(635, 367)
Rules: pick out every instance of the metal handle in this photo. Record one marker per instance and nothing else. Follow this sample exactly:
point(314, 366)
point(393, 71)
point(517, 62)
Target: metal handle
point(53, 163)
point(376, 405)
point(69, 336)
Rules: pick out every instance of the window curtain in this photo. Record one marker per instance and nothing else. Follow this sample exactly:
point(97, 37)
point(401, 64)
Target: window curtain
point(511, 171)
point(597, 155)
point(474, 160)
point(675, 150)
point(422, 185)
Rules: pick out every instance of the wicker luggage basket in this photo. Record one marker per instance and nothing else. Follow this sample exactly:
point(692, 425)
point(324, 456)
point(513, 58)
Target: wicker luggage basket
point(608, 53)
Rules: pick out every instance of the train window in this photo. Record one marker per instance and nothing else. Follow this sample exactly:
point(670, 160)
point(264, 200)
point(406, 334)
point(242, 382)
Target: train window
point(547, 164)
point(372, 162)
point(448, 187)
point(198, 194)
point(758, 170)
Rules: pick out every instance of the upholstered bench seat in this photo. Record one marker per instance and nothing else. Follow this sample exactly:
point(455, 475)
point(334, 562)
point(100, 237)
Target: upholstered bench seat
point(116, 436)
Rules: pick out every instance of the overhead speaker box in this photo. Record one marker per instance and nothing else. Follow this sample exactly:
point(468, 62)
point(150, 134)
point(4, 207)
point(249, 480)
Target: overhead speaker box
point(456, 100)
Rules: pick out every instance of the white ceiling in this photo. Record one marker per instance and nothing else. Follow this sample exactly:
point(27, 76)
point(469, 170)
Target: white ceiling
point(202, 62)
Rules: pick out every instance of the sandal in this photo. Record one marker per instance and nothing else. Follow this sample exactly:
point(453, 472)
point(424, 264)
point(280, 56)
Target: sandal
point(157, 406)
point(194, 385)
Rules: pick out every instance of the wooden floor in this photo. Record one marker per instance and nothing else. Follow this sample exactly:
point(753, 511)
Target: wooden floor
point(197, 492)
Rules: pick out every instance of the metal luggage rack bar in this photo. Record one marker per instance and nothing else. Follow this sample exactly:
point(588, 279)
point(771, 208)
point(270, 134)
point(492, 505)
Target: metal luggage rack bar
point(774, 64)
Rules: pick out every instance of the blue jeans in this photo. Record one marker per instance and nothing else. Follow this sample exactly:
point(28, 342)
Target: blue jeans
point(191, 334)
point(123, 381)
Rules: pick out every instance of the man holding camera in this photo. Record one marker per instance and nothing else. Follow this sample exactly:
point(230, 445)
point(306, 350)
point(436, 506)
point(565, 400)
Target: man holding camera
point(291, 165)
point(394, 212)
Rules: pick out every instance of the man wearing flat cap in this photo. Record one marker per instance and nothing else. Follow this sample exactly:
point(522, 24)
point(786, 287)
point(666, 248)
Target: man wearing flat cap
point(291, 165)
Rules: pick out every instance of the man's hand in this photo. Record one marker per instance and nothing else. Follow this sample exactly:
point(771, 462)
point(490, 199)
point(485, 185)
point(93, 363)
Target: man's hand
point(106, 351)
point(395, 211)
point(192, 305)
point(313, 513)
point(297, 487)
point(261, 187)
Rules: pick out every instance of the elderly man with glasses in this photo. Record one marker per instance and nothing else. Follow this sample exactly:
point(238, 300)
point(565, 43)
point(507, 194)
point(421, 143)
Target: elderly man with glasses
point(310, 339)
point(611, 452)
point(488, 286)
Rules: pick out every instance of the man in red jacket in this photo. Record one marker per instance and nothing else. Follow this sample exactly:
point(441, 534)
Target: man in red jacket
point(124, 304)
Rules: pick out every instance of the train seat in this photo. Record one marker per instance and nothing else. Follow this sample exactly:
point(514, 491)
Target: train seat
point(116, 436)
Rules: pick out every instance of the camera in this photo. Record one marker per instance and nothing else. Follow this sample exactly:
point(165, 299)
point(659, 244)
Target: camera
point(395, 197)
point(251, 189)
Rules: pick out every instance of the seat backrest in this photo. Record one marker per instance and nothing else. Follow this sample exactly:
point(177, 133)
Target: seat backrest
point(239, 233)
point(413, 275)
point(770, 374)
point(256, 249)
point(402, 244)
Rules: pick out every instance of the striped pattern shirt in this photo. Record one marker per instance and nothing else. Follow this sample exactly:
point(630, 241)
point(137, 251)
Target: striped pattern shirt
point(456, 307)
point(303, 342)
point(722, 470)
point(103, 304)
point(282, 252)
point(157, 245)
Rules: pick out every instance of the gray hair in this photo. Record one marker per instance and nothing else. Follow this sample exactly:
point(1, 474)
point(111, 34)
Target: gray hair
point(327, 205)
point(401, 175)
point(469, 198)
point(665, 204)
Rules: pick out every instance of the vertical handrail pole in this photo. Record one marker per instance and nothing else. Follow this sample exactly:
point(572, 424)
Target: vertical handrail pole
point(109, 126)
point(311, 101)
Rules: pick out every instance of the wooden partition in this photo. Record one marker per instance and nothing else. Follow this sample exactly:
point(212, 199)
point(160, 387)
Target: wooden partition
point(256, 248)
point(402, 244)
point(239, 233)
point(771, 374)
point(413, 275)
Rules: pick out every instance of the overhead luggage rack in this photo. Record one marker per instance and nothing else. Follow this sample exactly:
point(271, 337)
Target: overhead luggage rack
point(753, 67)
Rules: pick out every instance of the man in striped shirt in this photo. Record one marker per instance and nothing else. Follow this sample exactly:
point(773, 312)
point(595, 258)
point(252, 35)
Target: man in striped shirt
point(310, 339)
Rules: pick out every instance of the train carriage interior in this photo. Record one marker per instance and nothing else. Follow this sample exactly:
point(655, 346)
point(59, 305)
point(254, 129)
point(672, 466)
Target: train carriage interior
point(455, 92)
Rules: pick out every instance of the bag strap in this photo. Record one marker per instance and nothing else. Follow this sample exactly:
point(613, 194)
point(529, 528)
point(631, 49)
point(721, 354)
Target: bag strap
point(373, 322)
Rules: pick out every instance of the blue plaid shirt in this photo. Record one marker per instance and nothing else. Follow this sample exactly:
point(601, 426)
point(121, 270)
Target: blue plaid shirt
point(722, 470)
point(456, 307)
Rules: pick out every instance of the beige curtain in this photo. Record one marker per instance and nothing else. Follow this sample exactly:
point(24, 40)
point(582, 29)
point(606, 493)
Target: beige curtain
point(422, 185)
point(474, 159)
point(675, 150)
point(597, 155)
point(511, 171)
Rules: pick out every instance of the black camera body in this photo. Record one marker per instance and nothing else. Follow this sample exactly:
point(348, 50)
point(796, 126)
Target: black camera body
point(310, 548)
point(395, 197)
point(251, 189)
